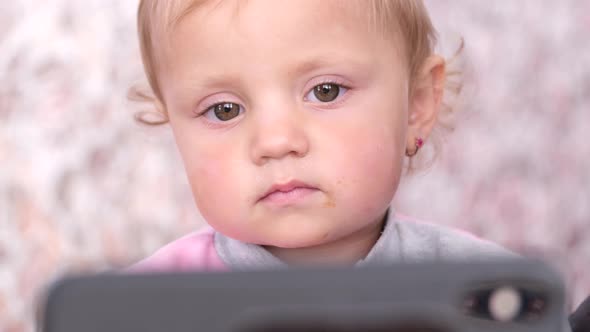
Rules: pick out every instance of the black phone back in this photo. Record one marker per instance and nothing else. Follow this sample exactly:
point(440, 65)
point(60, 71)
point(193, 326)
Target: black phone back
point(509, 296)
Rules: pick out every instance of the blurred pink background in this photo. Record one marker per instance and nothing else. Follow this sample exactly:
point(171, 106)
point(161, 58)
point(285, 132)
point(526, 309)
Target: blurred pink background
point(82, 186)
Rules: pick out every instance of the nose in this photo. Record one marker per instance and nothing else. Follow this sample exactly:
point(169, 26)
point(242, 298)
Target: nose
point(278, 135)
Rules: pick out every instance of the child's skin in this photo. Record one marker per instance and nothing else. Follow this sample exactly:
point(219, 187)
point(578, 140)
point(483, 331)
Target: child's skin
point(344, 144)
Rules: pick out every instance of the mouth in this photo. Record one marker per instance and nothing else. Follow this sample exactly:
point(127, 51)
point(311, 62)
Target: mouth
point(287, 193)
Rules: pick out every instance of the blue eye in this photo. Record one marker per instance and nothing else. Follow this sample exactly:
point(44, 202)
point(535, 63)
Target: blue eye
point(223, 111)
point(326, 92)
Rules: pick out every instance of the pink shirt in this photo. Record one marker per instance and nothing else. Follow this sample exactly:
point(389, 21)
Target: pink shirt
point(195, 251)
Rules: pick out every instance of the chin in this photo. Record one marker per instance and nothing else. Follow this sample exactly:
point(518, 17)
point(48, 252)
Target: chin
point(300, 240)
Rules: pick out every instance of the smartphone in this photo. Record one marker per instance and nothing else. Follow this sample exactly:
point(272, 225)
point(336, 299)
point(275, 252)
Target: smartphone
point(495, 296)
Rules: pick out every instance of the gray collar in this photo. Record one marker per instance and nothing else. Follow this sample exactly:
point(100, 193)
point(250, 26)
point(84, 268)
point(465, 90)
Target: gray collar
point(245, 256)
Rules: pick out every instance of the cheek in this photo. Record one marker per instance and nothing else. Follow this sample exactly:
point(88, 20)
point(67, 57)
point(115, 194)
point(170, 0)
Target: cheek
point(214, 174)
point(207, 175)
point(369, 166)
point(217, 185)
point(377, 161)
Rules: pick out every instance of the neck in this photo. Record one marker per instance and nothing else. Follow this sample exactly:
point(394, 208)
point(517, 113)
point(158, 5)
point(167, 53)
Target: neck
point(344, 251)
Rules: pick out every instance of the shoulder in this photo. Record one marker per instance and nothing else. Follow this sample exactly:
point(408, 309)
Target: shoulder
point(422, 239)
point(195, 251)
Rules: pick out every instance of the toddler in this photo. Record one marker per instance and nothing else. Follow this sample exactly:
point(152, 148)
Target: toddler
point(295, 121)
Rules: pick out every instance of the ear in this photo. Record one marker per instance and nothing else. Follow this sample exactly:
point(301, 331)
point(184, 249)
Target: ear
point(425, 100)
point(157, 114)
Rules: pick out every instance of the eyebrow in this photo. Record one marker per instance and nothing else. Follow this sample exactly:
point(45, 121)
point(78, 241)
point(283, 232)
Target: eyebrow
point(216, 80)
point(222, 79)
point(309, 65)
point(322, 61)
point(300, 68)
point(211, 81)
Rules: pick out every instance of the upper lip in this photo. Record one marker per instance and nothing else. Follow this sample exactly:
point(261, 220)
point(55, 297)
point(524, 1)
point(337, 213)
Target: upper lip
point(286, 187)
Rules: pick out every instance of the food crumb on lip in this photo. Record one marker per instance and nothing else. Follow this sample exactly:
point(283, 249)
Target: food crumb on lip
point(329, 203)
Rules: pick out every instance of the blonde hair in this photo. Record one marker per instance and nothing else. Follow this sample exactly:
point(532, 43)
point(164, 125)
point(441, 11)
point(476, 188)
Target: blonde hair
point(408, 18)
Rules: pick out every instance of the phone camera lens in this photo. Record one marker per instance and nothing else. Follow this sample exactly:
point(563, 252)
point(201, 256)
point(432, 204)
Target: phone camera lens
point(505, 304)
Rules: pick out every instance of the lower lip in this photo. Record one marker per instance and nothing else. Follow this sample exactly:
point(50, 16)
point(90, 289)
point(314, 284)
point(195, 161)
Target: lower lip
point(296, 195)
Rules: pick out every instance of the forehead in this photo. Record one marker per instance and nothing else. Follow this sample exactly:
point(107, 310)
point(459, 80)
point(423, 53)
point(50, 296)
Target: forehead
point(170, 17)
point(171, 12)
point(268, 17)
point(260, 37)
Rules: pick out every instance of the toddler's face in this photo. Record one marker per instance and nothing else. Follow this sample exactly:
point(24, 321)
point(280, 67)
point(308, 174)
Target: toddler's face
point(290, 117)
